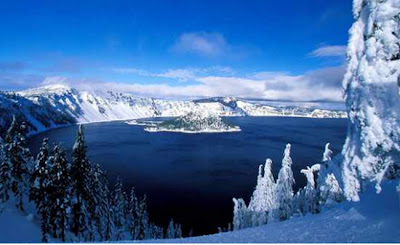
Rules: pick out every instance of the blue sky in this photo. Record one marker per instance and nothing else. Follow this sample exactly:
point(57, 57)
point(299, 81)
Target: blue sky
point(264, 49)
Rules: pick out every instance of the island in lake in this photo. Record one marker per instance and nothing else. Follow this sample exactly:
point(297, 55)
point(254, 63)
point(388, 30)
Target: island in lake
point(193, 122)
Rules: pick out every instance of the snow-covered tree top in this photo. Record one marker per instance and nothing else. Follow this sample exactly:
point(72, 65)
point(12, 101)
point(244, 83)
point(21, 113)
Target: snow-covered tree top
point(327, 153)
point(309, 173)
point(268, 165)
point(287, 160)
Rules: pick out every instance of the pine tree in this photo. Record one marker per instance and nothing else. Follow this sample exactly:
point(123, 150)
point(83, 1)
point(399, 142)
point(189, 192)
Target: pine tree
point(18, 157)
point(241, 215)
point(109, 221)
point(59, 193)
point(284, 189)
point(143, 218)
point(327, 156)
point(80, 178)
point(331, 191)
point(262, 200)
point(174, 230)
point(156, 232)
point(39, 187)
point(5, 174)
point(132, 216)
point(178, 231)
point(298, 205)
point(310, 200)
point(371, 86)
point(170, 230)
point(327, 186)
point(118, 204)
point(108, 217)
point(98, 205)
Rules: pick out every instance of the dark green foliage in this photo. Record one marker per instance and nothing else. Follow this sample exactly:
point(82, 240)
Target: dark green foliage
point(5, 175)
point(71, 198)
point(59, 193)
point(39, 192)
point(18, 156)
point(119, 207)
point(80, 178)
point(98, 204)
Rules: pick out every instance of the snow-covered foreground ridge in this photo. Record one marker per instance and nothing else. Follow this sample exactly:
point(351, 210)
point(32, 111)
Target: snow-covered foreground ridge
point(57, 105)
point(375, 219)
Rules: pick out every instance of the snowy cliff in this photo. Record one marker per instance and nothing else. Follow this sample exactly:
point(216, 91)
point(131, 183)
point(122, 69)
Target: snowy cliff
point(57, 105)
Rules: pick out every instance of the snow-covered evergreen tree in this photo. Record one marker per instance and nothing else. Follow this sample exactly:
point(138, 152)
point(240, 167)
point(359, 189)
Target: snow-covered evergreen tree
point(118, 203)
point(156, 232)
point(331, 191)
point(178, 230)
point(174, 230)
point(327, 186)
point(372, 95)
point(283, 206)
point(59, 193)
point(327, 156)
point(310, 200)
point(98, 205)
point(39, 191)
point(81, 182)
point(298, 202)
point(40, 173)
point(170, 230)
point(18, 157)
point(143, 219)
point(132, 215)
point(241, 215)
point(109, 221)
point(5, 174)
point(262, 200)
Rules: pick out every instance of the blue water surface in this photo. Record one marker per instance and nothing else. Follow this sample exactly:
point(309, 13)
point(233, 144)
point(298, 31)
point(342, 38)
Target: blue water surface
point(193, 177)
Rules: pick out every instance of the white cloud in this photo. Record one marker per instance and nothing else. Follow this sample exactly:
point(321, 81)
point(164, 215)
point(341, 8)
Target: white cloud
point(329, 51)
point(16, 81)
point(323, 84)
point(201, 43)
point(182, 74)
point(130, 70)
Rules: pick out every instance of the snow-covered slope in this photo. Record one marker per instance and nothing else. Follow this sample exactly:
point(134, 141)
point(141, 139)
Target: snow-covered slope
point(58, 105)
point(375, 219)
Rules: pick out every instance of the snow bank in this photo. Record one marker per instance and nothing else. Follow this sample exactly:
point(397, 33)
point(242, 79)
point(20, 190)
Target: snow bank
point(375, 219)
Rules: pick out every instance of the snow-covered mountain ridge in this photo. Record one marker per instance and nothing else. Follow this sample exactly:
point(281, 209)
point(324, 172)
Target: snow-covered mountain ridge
point(57, 105)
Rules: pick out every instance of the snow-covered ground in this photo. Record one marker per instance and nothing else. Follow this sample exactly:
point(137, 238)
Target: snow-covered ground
point(16, 227)
point(376, 218)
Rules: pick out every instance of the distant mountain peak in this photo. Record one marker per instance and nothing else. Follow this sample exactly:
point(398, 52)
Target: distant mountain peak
point(46, 89)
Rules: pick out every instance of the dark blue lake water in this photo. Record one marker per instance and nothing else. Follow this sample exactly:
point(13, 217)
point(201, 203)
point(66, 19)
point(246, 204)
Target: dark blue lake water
point(193, 177)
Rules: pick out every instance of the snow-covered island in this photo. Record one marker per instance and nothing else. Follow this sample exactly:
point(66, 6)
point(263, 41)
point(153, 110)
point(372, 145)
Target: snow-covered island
point(194, 122)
